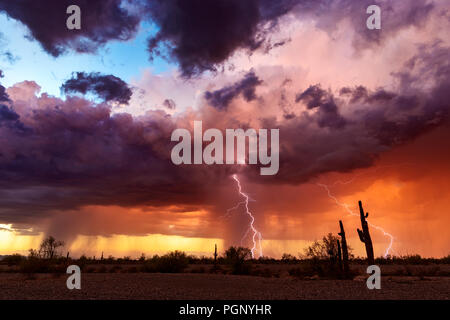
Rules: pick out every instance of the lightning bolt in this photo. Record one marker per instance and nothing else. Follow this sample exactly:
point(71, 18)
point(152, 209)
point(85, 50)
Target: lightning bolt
point(256, 237)
point(351, 212)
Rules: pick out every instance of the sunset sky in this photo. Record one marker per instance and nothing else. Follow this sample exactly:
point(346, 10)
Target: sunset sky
point(86, 118)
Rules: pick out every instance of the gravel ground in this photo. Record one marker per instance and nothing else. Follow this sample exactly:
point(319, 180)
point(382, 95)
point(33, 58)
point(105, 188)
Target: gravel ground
point(211, 286)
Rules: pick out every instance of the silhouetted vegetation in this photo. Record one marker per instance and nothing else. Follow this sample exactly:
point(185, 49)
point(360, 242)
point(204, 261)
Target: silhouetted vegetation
point(319, 261)
point(238, 259)
point(173, 262)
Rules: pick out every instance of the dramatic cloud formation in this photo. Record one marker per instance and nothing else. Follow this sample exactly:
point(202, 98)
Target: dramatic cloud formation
point(221, 98)
point(344, 99)
point(201, 35)
point(377, 120)
point(80, 153)
point(102, 21)
point(107, 87)
point(327, 114)
point(3, 94)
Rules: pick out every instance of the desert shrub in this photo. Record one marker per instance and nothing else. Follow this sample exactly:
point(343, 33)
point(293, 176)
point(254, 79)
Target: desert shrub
point(82, 262)
point(325, 249)
point(430, 272)
point(446, 260)
point(173, 262)
point(326, 269)
point(13, 260)
point(411, 259)
point(288, 258)
point(237, 258)
point(33, 265)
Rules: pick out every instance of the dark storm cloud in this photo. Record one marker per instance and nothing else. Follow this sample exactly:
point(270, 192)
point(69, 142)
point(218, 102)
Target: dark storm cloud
point(6, 114)
point(102, 21)
point(8, 117)
point(361, 94)
point(75, 153)
point(221, 98)
point(3, 94)
point(60, 154)
point(107, 87)
point(327, 111)
point(201, 34)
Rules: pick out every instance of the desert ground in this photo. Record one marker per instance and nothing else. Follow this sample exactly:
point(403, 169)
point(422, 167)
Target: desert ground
point(205, 286)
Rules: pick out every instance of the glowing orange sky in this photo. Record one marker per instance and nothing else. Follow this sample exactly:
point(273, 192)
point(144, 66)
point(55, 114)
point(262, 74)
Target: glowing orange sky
point(407, 193)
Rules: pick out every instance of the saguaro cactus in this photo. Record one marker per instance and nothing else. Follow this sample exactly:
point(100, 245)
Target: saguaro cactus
point(344, 247)
point(364, 235)
point(215, 254)
point(339, 254)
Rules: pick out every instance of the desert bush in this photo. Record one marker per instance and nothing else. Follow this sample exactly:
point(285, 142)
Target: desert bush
point(13, 260)
point(173, 262)
point(325, 249)
point(288, 258)
point(429, 272)
point(326, 269)
point(33, 265)
point(237, 258)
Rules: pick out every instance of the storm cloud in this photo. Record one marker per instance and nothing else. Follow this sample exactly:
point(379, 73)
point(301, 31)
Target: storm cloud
point(221, 98)
point(200, 35)
point(60, 157)
point(102, 21)
point(91, 156)
point(107, 87)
